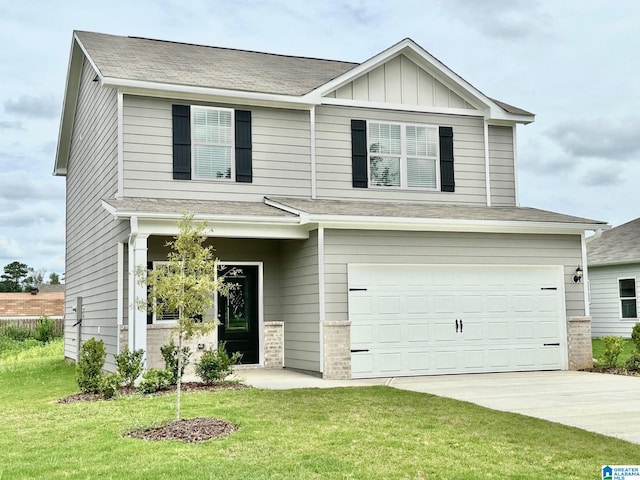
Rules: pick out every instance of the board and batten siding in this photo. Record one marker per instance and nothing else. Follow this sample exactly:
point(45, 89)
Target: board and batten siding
point(401, 81)
point(356, 246)
point(300, 303)
point(281, 155)
point(501, 166)
point(91, 233)
point(605, 299)
point(333, 156)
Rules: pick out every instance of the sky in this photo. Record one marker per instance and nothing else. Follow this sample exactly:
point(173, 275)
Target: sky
point(575, 64)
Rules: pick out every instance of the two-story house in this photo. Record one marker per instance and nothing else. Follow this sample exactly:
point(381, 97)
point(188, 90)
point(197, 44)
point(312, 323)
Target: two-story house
point(371, 209)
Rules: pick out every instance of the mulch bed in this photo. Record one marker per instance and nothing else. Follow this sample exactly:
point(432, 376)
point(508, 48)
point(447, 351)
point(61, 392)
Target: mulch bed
point(613, 371)
point(189, 430)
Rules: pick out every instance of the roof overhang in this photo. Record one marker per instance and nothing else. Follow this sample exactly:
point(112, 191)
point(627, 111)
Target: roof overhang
point(614, 263)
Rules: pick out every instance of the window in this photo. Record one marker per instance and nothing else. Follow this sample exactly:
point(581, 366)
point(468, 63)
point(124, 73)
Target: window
point(166, 316)
point(212, 143)
point(627, 289)
point(403, 156)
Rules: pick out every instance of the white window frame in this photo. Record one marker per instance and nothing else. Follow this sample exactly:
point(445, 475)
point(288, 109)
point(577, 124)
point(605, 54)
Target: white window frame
point(620, 298)
point(404, 180)
point(155, 319)
point(232, 145)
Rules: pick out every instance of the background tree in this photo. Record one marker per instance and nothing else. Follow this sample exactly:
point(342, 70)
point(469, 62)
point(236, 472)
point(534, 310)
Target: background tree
point(185, 284)
point(54, 279)
point(13, 277)
point(35, 278)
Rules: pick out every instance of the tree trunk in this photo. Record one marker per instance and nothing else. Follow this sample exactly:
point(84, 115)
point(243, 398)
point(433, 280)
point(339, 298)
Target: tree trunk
point(179, 379)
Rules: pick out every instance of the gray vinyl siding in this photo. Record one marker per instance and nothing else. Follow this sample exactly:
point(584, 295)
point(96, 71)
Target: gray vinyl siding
point(501, 166)
point(300, 303)
point(333, 156)
point(605, 300)
point(281, 155)
point(357, 246)
point(91, 233)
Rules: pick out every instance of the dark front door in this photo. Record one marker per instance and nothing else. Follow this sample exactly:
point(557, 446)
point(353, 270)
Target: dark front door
point(238, 312)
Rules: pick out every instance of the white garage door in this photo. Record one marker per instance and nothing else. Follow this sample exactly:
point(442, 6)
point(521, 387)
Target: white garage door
point(436, 319)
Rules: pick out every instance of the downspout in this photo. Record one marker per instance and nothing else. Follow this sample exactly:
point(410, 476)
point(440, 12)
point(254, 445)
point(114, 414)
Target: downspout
point(312, 126)
point(120, 192)
point(132, 280)
point(487, 170)
point(321, 294)
point(515, 165)
point(586, 287)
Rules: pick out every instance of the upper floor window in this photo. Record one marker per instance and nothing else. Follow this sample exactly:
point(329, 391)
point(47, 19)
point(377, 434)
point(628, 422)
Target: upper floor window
point(627, 289)
point(403, 156)
point(212, 142)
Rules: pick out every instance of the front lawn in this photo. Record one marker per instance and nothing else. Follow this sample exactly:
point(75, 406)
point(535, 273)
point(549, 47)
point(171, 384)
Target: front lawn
point(598, 349)
point(368, 433)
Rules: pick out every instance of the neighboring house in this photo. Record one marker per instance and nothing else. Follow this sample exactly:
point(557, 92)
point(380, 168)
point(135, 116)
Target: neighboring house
point(614, 270)
point(372, 210)
point(45, 300)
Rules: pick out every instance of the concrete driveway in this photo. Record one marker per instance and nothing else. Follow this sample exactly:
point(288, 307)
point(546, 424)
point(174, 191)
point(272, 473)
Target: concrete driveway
point(606, 404)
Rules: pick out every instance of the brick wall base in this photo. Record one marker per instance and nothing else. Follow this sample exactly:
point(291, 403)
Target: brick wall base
point(579, 343)
point(336, 337)
point(273, 344)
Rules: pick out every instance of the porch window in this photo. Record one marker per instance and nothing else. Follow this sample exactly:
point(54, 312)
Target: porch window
point(166, 315)
point(627, 290)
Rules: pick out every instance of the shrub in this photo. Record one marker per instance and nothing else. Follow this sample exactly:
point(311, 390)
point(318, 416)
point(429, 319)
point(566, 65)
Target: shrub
point(45, 329)
point(216, 365)
point(170, 355)
point(633, 362)
point(89, 366)
point(612, 349)
point(129, 365)
point(155, 380)
point(17, 333)
point(635, 336)
point(109, 384)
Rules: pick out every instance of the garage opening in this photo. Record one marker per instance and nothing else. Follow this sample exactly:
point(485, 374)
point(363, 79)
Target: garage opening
point(447, 319)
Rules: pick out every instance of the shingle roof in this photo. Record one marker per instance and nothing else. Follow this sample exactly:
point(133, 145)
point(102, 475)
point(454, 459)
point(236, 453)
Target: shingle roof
point(435, 211)
point(618, 245)
point(144, 59)
point(198, 207)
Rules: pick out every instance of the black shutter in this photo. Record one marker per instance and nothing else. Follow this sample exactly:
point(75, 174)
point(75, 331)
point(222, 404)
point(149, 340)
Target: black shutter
point(243, 146)
point(149, 312)
point(447, 183)
point(181, 142)
point(359, 172)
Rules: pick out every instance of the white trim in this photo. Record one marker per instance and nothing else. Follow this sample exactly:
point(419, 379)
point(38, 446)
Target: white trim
point(322, 308)
point(487, 167)
point(89, 59)
point(312, 140)
point(345, 102)
point(260, 266)
point(515, 165)
point(119, 292)
point(120, 192)
point(586, 286)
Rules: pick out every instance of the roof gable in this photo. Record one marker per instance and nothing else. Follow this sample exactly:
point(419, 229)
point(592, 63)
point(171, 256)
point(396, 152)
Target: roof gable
point(618, 245)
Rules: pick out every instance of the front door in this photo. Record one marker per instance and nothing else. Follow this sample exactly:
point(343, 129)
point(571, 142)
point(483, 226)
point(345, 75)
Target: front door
point(238, 312)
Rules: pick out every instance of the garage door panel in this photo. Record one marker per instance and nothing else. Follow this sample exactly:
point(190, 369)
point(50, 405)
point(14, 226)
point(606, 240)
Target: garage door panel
point(406, 319)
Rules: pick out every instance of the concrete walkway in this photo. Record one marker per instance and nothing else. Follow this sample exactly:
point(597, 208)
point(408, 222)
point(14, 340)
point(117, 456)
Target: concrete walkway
point(606, 404)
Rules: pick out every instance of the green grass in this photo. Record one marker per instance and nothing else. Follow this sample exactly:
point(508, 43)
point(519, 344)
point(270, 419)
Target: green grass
point(598, 349)
point(364, 433)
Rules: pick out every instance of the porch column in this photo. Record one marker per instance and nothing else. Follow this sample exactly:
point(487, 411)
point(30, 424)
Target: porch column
point(137, 294)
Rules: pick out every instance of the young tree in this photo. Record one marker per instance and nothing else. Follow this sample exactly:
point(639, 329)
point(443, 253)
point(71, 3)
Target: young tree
point(13, 277)
point(35, 278)
point(185, 284)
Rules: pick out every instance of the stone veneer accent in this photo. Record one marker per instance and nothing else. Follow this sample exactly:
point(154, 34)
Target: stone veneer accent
point(273, 344)
point(159, 335)
point(336, 337)
point(579, 342)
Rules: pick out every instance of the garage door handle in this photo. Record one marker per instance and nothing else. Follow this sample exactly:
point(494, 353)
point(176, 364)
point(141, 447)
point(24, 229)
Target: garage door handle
point(551, 344)
point(359, 351)
point(458, 325)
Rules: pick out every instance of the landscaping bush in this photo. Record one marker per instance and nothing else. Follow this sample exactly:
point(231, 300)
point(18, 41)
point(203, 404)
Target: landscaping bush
point(633, 362)
point(216, 365)
point(155, 380)
point(89, 366)
point(109, 384)
point(635, 336)
point(15, 332)
point(612, 349)
point(129, 365)
point(170, 355)
point(45, 329)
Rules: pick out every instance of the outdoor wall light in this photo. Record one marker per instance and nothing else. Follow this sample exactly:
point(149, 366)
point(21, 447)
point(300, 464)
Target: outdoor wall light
point(577, 277)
